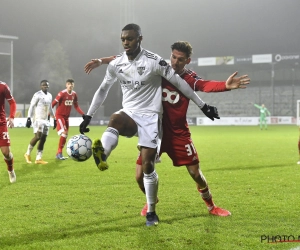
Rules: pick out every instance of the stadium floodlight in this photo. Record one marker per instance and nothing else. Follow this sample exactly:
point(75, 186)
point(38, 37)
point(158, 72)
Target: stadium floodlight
point(11, 53)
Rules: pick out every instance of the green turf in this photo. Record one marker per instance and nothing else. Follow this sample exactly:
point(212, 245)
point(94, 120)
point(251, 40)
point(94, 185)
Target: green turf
point(71, 205)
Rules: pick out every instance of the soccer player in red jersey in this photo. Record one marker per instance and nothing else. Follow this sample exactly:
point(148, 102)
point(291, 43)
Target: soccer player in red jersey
point(65, 99)
point(176, 140)
point(4, 123)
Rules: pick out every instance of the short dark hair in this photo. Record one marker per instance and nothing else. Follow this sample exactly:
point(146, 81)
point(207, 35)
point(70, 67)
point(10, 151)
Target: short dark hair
point(43, 81)
point(70, 80)
point(135, 27)
point(184, 47)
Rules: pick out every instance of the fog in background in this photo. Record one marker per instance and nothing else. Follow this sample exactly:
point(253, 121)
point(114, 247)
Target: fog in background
point(81, 30)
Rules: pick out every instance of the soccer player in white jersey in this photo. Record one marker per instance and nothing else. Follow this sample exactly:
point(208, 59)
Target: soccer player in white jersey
point(139, 73)
point(39, 110)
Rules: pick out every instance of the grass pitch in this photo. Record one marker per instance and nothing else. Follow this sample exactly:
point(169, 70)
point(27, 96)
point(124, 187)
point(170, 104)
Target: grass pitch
point(72, 205)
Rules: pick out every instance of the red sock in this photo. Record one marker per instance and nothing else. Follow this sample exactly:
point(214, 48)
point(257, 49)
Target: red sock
point(10, 164)
point(62, 142)
point(206, 196)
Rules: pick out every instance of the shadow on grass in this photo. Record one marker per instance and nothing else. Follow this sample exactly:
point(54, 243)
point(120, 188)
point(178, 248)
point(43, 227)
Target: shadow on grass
point(52, 166)
point(98, 226)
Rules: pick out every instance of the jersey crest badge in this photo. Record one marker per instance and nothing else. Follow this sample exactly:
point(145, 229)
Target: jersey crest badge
point(141, 70)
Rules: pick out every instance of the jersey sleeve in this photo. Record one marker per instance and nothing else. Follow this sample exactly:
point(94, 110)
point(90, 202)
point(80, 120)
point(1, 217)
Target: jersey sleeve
point(102, 91)
point(210, 86)
point(56, 99)
point(33, 103)
point(257, 106)
point(76, 105)
point(162, 68)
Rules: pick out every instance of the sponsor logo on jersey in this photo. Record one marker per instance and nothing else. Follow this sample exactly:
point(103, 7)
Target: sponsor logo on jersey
point(120, 71)
point(171, 97)
point(68, 102)
point(141, 70)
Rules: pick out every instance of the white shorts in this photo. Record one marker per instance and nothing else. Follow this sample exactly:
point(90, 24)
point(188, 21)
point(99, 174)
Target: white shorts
point(149, 128)
point(41, 126)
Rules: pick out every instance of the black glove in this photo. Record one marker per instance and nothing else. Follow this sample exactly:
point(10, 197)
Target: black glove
point(83, 116)
point(54, 124)
point(28, 122)
point(83, 126)
point(210, 111)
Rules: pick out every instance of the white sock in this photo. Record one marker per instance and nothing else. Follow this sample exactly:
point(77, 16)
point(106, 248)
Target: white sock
point(109, 140)
point(151, 188)
point(29, 149)
point(39, 155)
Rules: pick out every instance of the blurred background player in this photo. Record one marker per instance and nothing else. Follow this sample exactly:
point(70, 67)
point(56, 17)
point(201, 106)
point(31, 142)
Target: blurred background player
point(4, 123)
point(176, 140)
point(40, 107)
point(65, 99)
point(263, 112)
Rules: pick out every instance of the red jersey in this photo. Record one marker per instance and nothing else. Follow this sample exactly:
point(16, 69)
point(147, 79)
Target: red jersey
point(65, 102)
point(6, 95)
point(175, 104)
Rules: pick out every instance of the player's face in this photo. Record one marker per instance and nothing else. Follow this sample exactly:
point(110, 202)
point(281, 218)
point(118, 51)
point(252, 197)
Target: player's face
point(45, 87)
point(131, 42)
point(69, 86)
point(179, 60)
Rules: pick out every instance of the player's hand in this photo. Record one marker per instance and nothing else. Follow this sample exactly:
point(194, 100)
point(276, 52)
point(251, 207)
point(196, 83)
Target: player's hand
point(94, 63)
point(10, 122)
point(54, 124)
point(240, 82)
point(83, 126)
point(83, 116)
point(210, 111)
point(28, 122)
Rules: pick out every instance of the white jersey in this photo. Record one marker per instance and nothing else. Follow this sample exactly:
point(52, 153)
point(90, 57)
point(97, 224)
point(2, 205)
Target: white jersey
point(40, 106)
point(140, 80)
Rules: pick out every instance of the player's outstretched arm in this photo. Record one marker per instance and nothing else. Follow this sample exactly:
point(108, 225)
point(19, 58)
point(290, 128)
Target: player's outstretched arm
point(94, 63)
point(240, 82)
point(210, 111)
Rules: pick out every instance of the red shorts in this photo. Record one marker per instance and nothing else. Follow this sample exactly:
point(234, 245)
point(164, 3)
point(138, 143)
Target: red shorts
point(181, 150)
point(62, 124)
point(4, 136)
